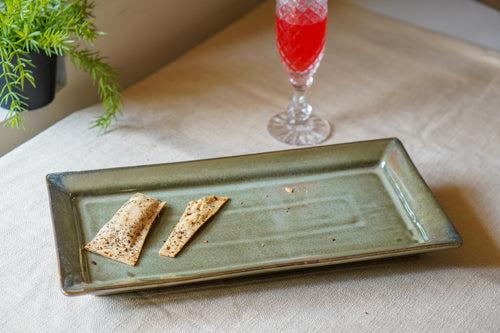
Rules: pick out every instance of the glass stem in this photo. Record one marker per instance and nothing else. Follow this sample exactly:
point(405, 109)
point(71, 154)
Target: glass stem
point(299, 110)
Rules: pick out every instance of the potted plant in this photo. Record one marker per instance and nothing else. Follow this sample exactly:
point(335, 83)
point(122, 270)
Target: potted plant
point(32, 34)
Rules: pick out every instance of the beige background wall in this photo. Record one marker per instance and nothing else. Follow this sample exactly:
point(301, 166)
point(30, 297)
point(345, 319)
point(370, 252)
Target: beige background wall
point(142, 37)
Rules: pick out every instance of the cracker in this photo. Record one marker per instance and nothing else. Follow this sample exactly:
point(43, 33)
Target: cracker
point(196, 214)
point(122, 237)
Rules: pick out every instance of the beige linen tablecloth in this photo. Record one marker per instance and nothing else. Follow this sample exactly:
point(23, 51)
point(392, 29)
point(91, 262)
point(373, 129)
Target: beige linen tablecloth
point(379, 78)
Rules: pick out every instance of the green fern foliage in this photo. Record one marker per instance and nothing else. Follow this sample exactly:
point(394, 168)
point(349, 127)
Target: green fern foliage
point(56, 28)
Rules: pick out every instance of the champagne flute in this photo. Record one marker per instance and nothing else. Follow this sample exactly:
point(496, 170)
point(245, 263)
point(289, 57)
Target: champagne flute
point(300, 34)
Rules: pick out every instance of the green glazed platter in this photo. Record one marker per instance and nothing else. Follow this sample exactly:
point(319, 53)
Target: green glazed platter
point(288, 210)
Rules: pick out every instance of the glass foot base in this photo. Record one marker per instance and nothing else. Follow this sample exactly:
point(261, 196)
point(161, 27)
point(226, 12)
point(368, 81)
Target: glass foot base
point(311, 132)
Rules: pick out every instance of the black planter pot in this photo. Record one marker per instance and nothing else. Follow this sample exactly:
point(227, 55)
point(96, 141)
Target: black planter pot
point(44, 73)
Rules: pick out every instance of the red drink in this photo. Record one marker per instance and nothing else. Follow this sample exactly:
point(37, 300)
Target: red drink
point(301, 37)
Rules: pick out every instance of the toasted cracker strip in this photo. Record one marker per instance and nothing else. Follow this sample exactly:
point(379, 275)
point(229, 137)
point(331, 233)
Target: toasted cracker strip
point(122, 237)
point(196, 214)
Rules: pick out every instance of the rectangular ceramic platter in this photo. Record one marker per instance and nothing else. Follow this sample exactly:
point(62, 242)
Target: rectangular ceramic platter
point(350, 202)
